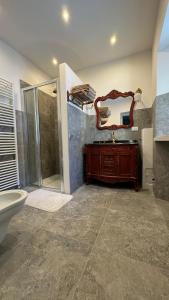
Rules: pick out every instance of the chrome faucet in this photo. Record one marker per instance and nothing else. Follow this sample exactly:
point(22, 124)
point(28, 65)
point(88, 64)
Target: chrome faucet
point(113, 138)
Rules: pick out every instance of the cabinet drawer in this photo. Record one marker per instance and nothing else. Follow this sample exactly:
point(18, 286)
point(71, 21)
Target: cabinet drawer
point(109, 164)
point(93, 162)
point(126, 165)
point(117, 149)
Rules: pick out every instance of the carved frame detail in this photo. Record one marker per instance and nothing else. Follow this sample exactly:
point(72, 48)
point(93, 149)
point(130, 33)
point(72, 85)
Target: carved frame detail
point(114, 94)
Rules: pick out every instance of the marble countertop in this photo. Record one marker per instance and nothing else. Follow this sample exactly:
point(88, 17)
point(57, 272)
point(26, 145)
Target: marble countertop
point(101, 143)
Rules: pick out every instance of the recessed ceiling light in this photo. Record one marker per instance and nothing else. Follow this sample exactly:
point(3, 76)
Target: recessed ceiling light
point(113, 39)
point(54, 61)
point(65, 15)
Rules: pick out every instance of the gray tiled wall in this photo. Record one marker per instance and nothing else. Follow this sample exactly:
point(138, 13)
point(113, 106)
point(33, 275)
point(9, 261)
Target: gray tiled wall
point(161, 170)
point(22, 145)
point(161, 149)
point(76, 130)
point(6, 157)
point(49, 145)
point(161, 115)
point(142, 119)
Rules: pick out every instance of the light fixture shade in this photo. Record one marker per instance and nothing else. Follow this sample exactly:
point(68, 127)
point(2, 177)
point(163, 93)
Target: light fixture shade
point(138, 95)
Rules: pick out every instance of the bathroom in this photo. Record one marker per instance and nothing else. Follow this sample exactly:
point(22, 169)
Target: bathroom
point(84, 151)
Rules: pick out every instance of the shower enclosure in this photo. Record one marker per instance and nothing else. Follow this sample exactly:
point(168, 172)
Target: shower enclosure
point(43, 128)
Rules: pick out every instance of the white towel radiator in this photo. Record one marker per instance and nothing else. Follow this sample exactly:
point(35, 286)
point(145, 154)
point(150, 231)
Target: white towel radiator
point(9, 175)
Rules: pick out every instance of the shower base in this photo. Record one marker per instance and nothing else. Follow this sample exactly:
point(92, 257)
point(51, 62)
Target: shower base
point(53, 182)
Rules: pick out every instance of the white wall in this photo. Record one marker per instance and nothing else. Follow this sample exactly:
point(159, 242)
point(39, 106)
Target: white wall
point(162, 57)
point(14, 67)
point(68, 79)
point(159, 25)
point(164, 37)
point(162, 73)
point(126, 74)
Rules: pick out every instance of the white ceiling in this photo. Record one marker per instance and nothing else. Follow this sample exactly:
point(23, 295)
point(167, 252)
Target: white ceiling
point(35, 28)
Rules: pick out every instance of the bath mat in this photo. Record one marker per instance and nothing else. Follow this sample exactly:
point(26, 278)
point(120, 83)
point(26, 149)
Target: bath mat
point(47, 200)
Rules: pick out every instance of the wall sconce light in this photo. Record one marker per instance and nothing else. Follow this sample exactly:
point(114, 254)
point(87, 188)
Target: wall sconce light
point(138, 95)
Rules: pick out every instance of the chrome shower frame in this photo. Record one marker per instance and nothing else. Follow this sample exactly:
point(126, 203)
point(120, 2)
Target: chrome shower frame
point(34, 88)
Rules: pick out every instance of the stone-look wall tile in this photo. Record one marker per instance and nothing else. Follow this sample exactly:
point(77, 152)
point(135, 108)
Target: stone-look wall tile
point(22, 165)
point(161, 170)
point(21, 144)
point(161, 149)
point(142, 119)
point(6, 129)
point(162, 115)
point(49, 145)
point(6, 157)
point(77, 136)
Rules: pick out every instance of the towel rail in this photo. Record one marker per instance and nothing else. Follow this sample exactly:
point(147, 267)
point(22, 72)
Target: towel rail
point(9, 175)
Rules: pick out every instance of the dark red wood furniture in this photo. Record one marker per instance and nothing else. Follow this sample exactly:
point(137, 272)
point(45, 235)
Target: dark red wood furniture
point(112, 163)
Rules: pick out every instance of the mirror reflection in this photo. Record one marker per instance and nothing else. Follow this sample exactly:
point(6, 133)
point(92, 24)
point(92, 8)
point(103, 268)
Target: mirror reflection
point(114, 111)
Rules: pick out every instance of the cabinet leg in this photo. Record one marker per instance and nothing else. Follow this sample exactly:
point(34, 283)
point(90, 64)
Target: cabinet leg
point(136, 186)
point(87, 181)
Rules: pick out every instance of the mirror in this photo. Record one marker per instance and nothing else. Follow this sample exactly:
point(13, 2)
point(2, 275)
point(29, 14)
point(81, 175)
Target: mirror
point(115, 110)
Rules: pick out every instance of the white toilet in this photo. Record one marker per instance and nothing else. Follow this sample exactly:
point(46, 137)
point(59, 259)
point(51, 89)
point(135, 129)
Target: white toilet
point(11, 203)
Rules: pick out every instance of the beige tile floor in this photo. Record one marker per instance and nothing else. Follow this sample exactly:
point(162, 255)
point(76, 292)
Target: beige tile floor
point(105, 244)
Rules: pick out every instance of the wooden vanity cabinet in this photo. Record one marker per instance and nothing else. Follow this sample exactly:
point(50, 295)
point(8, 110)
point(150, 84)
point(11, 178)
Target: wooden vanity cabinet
point(112, 163)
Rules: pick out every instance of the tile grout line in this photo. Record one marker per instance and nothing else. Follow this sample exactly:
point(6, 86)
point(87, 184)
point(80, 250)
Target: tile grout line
point(160, 209)
point(87, 259)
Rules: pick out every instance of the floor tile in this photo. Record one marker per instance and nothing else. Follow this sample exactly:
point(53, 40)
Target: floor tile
point(51, 270)
point(117, 277)
point(105, 244)
point(135, 237)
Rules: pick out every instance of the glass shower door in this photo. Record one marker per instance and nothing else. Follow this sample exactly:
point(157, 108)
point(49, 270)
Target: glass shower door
point(48, 106)
point(33, 165)
point(43, 122)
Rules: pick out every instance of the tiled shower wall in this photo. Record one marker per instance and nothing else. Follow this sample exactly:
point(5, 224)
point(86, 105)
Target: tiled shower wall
point(11, 156)
point(49, 145)
point(161, 149)
point(82, 130)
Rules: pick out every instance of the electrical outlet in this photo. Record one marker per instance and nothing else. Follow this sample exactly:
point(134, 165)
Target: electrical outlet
point(134, 128)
